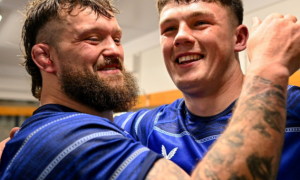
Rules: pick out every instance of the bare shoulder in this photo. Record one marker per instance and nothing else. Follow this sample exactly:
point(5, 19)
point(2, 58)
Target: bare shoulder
point(166, 169)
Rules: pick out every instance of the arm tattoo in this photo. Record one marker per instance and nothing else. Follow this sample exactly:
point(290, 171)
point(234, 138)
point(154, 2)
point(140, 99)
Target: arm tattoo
point(259, 114)
point(234, 139)
point(236, 177)
point(262, 130)
point(211, 175)
point(216, 157)
point(260, 167)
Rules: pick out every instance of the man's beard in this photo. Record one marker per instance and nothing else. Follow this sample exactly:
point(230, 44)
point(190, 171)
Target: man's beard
point(115, 92)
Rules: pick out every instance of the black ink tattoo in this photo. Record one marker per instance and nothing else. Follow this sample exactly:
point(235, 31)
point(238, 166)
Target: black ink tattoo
point(216, 157)
point(262, 130)
point(260, 167)
point(234, 139)
point(236, 177)
point(210, 174)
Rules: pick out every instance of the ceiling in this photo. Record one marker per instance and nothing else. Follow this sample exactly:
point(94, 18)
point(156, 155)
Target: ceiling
point(137, 18)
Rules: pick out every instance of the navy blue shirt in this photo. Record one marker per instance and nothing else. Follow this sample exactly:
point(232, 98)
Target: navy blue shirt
point(60, 143)
point(185, 138)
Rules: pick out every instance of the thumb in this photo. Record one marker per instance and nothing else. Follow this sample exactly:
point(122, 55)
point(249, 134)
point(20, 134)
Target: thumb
point(255, 24)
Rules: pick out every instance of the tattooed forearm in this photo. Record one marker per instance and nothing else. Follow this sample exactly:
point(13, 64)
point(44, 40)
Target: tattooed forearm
point(236, 177)
point(211, 174)
point(216, 157)
point(234, 139)
point(255, 131)
point(260, 167)
point(262, 129)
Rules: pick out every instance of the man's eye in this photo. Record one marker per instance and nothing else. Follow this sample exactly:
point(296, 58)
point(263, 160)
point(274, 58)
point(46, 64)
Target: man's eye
point(93, 39)
point(117, 41)
point(199, 23)
point(169, 29)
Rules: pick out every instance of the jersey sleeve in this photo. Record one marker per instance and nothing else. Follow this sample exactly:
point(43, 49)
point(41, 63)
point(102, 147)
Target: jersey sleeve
point(293, 100)
point(289, 165)
point(139, 124)
point(88, 151)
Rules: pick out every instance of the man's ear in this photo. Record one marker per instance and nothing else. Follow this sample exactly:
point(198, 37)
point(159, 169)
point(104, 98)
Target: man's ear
point(242, 35)
point(40, 54)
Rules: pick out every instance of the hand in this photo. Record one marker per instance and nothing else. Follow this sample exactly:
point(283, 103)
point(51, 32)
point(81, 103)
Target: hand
point(275, 41)
point(2, 146)
point(13, 131)
point(11, 135)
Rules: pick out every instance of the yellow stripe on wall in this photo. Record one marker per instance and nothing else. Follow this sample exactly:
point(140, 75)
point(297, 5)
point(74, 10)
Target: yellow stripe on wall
point(144, 101)
point(17, 110)
point(295, 79)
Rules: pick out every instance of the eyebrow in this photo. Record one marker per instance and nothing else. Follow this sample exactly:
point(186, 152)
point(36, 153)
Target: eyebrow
point(191, 15)
point(95, 29)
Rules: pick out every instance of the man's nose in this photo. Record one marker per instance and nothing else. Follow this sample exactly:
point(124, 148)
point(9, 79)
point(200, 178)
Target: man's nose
point(184, 36)
point(112, 49)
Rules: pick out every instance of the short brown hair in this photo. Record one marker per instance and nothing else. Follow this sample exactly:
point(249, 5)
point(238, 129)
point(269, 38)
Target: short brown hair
point(38, 14)
point(236, 6)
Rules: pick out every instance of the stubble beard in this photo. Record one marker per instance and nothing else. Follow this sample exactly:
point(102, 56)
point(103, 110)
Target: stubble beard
point(114, 92)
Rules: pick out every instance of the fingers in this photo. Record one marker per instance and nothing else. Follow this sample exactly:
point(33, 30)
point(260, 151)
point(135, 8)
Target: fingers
point(255, 23)
point(290, 17)
point(274, 15)
point(13, 131)
point(278, 15)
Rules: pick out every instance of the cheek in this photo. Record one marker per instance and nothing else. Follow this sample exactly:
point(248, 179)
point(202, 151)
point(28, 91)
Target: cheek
point(166, 48)
point(121, 50)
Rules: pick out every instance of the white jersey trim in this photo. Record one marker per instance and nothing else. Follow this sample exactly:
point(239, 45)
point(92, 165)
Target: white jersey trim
point(34, 132)
point(71, 148)
point(293, 129)
point(186, 133)
point(127, 119)
point(124, 165)
point(138, 122)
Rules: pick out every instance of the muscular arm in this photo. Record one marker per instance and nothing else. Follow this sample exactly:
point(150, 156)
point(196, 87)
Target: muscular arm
point(251, 146)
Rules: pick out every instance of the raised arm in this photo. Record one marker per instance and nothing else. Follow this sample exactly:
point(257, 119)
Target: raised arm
point(250, 147)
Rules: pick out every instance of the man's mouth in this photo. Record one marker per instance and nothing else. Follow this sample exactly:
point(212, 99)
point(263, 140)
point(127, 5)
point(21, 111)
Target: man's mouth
point(111, 67)
point(189, 58)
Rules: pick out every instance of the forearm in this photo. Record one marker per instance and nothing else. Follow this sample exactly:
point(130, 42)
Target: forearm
point(246, 149)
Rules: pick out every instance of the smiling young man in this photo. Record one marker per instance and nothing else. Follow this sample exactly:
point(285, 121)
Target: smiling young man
point(200, 41)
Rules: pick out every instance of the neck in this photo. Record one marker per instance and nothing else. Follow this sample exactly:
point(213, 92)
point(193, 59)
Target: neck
point(214, 99)
point(51, 95)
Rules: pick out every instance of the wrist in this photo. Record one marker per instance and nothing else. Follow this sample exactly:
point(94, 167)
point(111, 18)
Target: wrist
point(274, 72)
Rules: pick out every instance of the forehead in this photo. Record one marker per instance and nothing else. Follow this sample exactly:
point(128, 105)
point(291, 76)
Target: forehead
point(174, 11)
point(82, 19)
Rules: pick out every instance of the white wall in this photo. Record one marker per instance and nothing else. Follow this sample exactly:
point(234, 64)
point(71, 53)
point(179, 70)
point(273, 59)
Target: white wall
point(153, 76)
point(283, 7)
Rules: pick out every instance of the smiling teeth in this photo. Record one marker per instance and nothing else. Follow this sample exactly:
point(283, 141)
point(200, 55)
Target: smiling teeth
point(188, 58)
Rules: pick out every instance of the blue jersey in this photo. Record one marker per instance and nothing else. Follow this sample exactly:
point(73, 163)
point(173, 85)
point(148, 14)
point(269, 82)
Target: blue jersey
point(184, 138)
point(60, 143)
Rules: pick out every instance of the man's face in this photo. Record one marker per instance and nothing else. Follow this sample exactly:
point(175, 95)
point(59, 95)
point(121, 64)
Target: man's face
point(90, 62)
point(197, 42)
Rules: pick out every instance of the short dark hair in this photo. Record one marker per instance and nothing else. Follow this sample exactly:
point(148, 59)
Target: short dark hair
point(236, 6)
point(38, 14)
